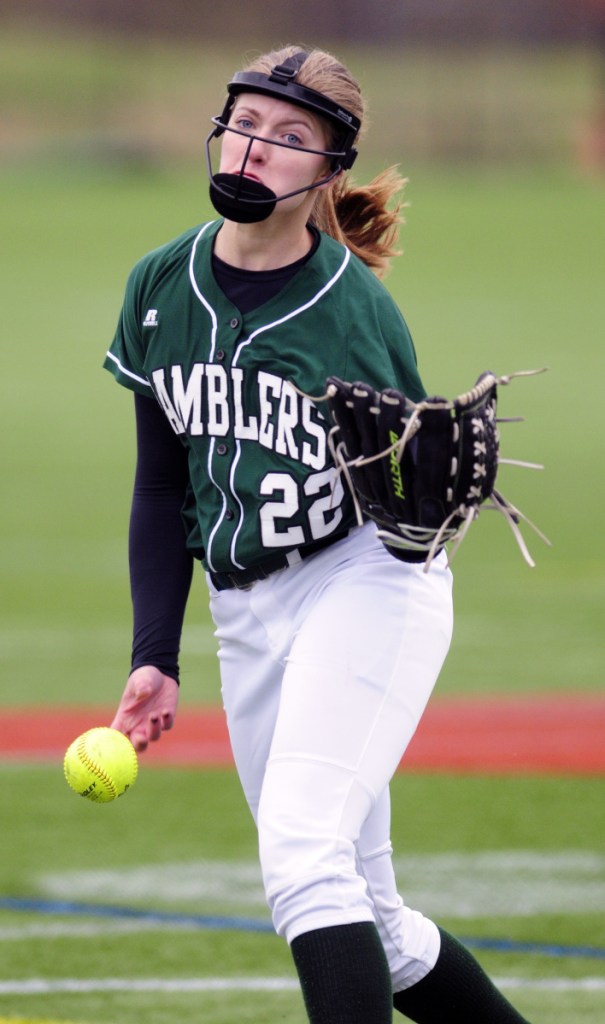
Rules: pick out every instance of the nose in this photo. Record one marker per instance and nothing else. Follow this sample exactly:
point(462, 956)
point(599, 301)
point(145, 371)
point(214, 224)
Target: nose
point(257, 150)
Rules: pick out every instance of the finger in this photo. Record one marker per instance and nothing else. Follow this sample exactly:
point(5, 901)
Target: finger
point(155, 727)
point(139, 739)
point(167, 720)
point(119, 723)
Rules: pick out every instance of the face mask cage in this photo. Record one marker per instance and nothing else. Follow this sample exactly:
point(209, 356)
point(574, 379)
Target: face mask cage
point(339, 160)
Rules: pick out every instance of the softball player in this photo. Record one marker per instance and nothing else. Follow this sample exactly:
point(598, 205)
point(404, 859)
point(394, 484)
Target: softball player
point(329, 644)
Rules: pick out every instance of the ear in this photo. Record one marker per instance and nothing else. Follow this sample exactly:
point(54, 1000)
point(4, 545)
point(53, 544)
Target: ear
point(327, 184)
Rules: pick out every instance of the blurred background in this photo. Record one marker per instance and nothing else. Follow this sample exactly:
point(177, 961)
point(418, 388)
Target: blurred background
point(461, 79)
point(496, 114)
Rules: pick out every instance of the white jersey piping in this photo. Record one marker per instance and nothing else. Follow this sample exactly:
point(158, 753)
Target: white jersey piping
point(243, 344)
point(126, 372)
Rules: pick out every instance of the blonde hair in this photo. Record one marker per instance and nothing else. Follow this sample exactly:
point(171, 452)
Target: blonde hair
point(357, 215)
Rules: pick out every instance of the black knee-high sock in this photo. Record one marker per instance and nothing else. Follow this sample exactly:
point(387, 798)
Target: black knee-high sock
point(457, 990)
point(344, 975)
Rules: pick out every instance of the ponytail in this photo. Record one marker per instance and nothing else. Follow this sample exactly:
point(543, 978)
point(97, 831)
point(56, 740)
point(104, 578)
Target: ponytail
point(363, 217)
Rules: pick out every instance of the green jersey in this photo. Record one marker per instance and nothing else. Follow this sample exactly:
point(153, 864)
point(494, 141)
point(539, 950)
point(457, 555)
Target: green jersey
point(238, 389)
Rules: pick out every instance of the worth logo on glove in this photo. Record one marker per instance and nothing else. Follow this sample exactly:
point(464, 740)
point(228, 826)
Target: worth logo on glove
point(396, 477)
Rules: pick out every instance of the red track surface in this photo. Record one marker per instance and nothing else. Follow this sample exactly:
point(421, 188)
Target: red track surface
point(541, 734)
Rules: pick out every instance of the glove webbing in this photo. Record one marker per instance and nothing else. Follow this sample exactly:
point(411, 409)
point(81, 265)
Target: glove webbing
point(431, 540)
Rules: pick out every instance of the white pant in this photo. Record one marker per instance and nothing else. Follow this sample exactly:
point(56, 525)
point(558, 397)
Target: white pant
point(326, 669)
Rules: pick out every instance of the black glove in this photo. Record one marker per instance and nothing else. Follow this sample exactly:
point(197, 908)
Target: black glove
point(420, 470)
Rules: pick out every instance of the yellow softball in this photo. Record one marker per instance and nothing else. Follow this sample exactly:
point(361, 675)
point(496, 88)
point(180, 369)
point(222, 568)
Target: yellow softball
point(101, 764)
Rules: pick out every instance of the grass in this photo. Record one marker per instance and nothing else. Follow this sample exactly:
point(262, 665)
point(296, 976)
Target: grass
point(175, 819)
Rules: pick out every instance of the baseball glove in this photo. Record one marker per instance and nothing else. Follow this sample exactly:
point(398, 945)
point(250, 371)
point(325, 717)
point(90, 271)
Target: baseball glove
point(421, 470)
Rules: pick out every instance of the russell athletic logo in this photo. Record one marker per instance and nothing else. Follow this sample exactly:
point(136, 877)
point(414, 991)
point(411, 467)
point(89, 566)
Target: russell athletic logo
point(151, 318)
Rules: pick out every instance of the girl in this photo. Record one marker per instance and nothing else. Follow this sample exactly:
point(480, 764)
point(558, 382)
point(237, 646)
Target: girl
point(329, 644)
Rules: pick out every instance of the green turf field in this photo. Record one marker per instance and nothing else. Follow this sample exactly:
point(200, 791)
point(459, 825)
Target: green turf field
point(495, 860)
point(503, 269)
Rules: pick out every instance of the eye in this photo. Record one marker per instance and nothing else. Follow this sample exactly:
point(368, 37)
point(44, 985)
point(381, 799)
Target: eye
point(244, 123)
point(293, 139)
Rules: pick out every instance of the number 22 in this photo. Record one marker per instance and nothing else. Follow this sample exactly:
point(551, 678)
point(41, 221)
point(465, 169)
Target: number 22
point(324, 514)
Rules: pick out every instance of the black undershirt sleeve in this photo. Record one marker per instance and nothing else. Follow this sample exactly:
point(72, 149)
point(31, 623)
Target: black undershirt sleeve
point(161, 568)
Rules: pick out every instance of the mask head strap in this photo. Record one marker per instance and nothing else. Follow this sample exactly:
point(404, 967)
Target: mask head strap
point(287, 72)
point(282, 84)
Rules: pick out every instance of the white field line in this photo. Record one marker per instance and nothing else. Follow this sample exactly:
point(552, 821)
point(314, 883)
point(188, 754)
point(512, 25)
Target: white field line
point(48, 986)
point(462, 885)
point(553, 984)
point(43, 986)
point(89, 929)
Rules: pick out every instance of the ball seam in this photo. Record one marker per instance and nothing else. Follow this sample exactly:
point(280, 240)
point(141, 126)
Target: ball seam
point(95, 768)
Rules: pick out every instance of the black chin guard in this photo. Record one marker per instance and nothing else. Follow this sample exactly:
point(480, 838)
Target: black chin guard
point(241, 199)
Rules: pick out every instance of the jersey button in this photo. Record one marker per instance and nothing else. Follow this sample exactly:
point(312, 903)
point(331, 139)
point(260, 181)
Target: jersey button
point(229, 514)
point(234, 322)
point(221, 449)
point(220, 355)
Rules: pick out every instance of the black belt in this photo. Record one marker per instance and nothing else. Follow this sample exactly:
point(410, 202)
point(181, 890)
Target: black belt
point(242, 579)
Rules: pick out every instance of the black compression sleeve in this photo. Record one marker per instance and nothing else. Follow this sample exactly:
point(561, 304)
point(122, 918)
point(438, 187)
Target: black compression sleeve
point(160, 566)
point(457, 990)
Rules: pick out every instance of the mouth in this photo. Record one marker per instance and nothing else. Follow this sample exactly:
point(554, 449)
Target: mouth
point(246, 174)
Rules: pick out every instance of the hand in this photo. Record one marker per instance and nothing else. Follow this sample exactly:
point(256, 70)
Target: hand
point(148, 706)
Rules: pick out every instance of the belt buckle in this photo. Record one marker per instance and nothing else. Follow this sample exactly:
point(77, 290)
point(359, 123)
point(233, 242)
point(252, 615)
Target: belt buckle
point(238, 584)
point(242, 586)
